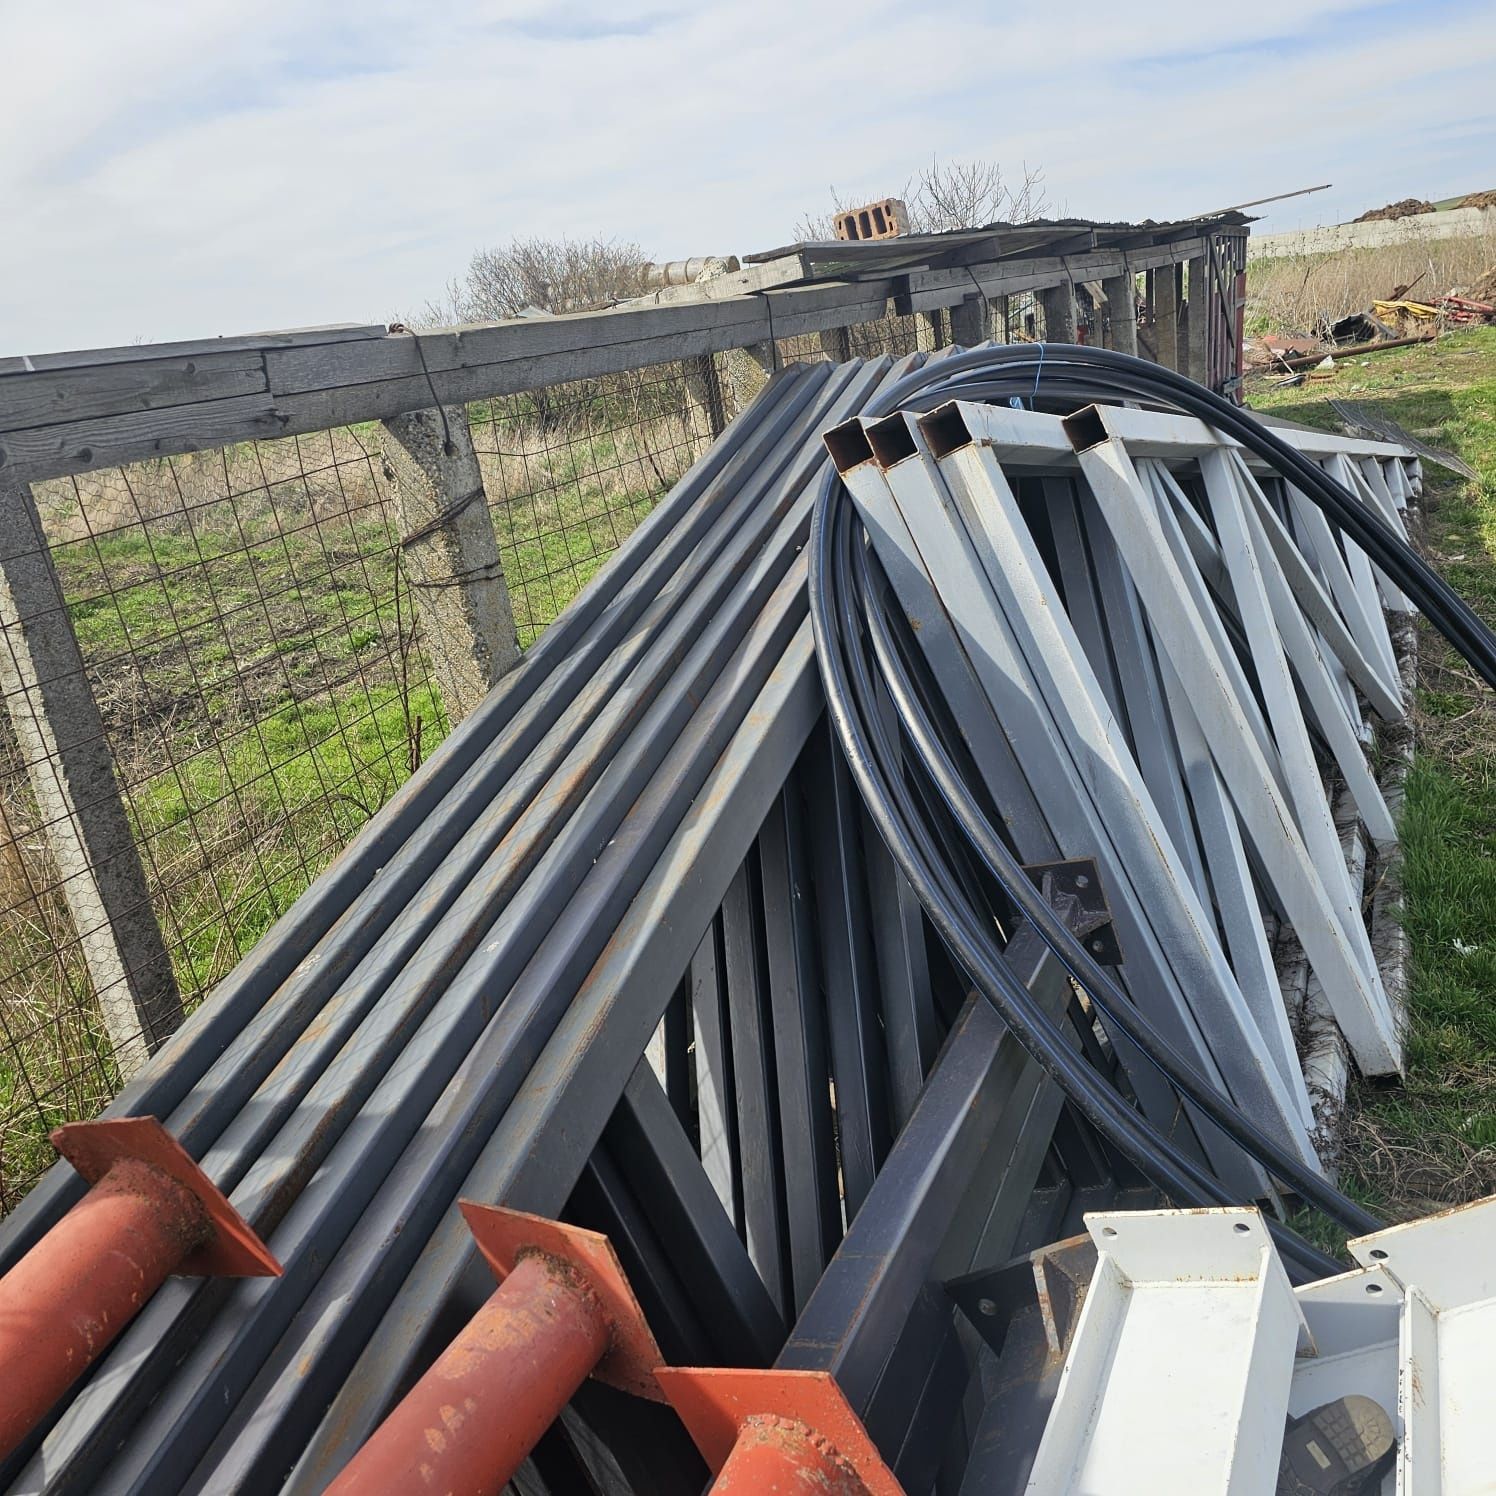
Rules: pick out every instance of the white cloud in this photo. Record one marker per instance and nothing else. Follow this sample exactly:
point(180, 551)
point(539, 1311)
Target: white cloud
point(172, 170)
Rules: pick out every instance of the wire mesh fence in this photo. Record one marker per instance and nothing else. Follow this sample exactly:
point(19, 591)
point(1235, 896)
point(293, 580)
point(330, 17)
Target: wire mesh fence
point(571, 469)
point(254, 651)
point(257, 670)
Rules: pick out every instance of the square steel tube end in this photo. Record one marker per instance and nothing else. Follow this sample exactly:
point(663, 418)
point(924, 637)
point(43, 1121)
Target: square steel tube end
point(848, 445)
point(232, 1249)
point(1086, 428)
point(944, 429)
point(718, 1405)
point(506, 1236)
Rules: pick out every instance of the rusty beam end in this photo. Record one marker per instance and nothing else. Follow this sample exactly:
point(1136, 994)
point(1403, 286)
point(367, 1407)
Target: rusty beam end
point(720, 1408)
point(231, 1250)
point(506, 1236)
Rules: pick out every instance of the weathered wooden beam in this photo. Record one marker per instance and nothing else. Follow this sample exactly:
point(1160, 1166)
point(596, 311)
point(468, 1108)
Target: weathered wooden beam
point(134, 353)
point(57, 396)
point(56, 721)
point(318, 379)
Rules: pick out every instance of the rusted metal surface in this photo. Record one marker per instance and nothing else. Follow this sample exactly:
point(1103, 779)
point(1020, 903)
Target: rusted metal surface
point(783, 1456)
point(149, 1213)
point(470, 1421)
point(562, 1312)
point(795, 1426)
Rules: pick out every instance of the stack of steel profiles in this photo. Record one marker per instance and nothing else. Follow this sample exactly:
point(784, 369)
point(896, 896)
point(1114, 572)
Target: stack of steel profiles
point(577, 847)
point(1094, 640)
point(631, 950)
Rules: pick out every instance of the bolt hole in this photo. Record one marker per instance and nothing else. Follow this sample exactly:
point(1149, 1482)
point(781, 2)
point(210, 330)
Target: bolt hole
point(1081, 881)
point(1108, 1230)
point(987, 1306)
point(1373, 1288)
point(1378, 1254)
point(1241, 1228)
point(1096, 945)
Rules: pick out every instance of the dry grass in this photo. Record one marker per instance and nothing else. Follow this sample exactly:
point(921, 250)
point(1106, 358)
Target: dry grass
point(1297, 294)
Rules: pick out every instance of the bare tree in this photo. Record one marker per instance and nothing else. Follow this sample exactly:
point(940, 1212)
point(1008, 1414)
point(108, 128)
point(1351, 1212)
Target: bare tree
point(548, 275)
point(952, 195)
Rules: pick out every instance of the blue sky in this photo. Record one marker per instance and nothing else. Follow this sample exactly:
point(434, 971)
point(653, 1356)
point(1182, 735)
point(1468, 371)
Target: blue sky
point(172, 170)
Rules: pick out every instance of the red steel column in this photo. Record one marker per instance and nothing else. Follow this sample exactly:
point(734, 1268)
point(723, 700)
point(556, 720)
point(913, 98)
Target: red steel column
point(468, 1424)
point(563, 1312)
point(78, 1287)
point(150, 1212)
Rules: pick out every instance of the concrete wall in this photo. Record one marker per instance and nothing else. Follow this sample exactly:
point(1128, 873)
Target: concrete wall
point(1455, 224)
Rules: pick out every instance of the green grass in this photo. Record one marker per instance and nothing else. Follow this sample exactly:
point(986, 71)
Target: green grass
point(264, 691)
point(1431, 1141)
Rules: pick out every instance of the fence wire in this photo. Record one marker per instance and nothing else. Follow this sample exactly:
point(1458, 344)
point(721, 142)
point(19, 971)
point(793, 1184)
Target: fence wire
point(256, 657)
point(257, 669)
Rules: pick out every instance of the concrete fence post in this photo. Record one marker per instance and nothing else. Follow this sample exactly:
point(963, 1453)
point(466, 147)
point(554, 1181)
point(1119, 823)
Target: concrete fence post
point(1197, 322)
point(747, 369)
point(1122, 312)
point(971, 321)
point(836, 344)
point(1059, 313)
point(71, 771)
point(1166, 315)
point(706, 405)
point(451, 554)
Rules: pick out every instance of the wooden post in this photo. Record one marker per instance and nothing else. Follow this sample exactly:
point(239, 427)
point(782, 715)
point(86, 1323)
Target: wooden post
point(71, 770)
point(1197, 320)
point(451, 554)
point(1059, 313)
point(971, 321)
point(1166, 315)
point(1122, 312)
point(705, 406)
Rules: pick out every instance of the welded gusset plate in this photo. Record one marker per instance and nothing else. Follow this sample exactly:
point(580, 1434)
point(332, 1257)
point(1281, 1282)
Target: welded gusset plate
point(715, 1404)
point(1078, 878)
point(504, 1236)
point(233, 1250)
point(1052, 1279)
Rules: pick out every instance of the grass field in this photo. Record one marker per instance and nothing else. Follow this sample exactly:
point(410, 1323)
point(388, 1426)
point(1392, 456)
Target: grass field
point(1432, 1141)
point(256, 653)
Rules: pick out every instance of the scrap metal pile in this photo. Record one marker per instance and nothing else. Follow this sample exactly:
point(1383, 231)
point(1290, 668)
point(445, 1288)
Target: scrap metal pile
point(855, 883)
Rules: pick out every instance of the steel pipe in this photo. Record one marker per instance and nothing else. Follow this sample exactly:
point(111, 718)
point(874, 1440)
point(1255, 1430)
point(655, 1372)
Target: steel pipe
point(563, 1312)
point(467, 1425)
point(148, 1213)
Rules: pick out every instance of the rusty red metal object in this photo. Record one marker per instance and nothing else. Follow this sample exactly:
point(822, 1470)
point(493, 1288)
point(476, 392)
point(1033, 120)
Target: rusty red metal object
point(794, 1427)
point(151, 1212)
point(563, 1311)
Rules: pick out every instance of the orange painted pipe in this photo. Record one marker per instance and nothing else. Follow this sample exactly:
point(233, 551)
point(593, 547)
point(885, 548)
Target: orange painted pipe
point(468, 1424)
point(67, 1299)
point(786, 1458)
